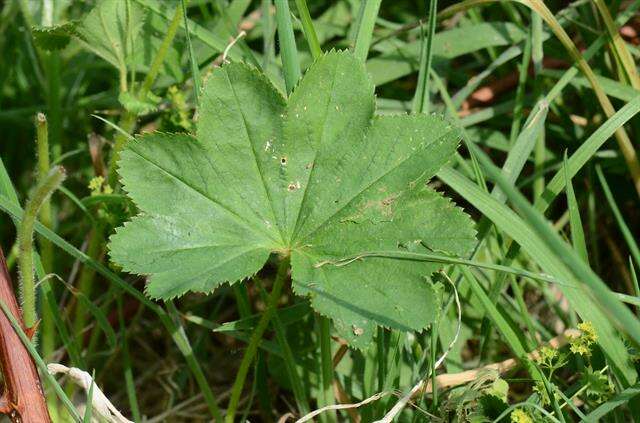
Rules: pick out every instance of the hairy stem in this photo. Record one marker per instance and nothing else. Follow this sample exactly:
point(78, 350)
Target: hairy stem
point(46, 218)
point(25, 242)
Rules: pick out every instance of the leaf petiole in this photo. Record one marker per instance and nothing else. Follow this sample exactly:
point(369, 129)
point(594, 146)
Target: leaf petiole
point(256, 337)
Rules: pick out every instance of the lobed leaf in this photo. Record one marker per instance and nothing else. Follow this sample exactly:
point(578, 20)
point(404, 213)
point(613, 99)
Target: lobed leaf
point(317, 177)
point(110, 30)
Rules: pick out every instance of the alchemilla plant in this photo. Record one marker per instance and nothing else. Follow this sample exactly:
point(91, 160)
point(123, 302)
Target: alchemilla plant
point(311, 179)
point(270, 206)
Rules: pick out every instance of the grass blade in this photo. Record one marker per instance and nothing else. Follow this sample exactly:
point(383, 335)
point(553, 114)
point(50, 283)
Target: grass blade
point(307, 28)
point(288, 49)
point(615, 402)
point(619, 46)
point(175, 329)
point(582, 275)
point(421, 96)
point(586, 150)
point(624, 228)
point(577, 232)
point(530, 241)
point(366, 23)
point(195, 71)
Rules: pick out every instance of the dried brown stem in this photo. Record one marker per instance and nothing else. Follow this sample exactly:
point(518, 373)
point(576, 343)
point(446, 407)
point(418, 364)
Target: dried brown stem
point(23, 399)
point(449, 380)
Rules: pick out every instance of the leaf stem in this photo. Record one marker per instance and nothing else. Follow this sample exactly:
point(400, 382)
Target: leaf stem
point(127, 123)
point(288, 49)
point(126, 364)
point(297, 385)
point(162, 52)
point(85, 281)
point(326, 365)
point(25, 243)
point(256, 337)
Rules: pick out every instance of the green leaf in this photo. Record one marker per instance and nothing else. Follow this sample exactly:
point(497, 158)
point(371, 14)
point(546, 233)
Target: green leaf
point(317, 177)
point(53, 37)
point(110, 30)
point(137, 105)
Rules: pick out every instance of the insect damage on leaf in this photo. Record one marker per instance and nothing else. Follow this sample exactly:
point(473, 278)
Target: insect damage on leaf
point(317, 176)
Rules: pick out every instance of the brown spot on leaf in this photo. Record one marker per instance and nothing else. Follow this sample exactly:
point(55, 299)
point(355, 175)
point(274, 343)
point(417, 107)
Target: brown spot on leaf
point(389, 200)
point(293, 187)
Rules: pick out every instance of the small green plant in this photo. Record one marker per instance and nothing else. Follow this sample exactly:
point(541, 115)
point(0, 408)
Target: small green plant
point(311, 180)
point(583, 343)
point(315, 178)
point(245, 175)
point(520, 415)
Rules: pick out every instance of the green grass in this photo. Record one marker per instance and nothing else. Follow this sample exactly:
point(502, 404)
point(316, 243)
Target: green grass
point(547, 169)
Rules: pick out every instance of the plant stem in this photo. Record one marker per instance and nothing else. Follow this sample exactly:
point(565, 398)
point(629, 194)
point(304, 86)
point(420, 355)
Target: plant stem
point(297, 385)
point(24, 338)
point(288, 49)
point(85, 283)
point(127, 123)
point(25, 243)
point(46, 218)
point(326, 366)
point(162, 52)
point(21, 385)
point(307, 28)
point(256, 337)
point(44, 166)
point(433, 351)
